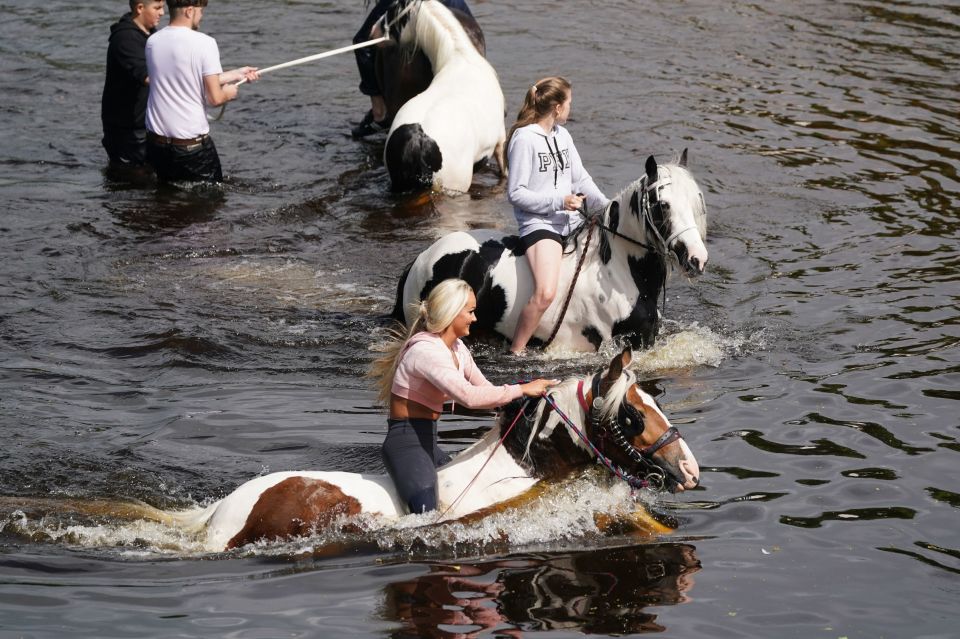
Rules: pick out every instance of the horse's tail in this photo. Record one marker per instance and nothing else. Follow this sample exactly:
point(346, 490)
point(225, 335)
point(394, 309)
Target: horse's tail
point(189, 520)
point(412, 157)
point(398, 313)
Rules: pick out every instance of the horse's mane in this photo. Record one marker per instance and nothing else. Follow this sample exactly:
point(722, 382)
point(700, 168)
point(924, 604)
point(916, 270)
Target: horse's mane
point(564, 395)
point(441, 34)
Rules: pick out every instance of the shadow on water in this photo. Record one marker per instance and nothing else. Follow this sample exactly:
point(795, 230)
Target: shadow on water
point(606, 591)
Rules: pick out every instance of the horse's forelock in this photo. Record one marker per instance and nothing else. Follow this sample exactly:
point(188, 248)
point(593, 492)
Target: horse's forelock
point(615, 394)
point(682, 180)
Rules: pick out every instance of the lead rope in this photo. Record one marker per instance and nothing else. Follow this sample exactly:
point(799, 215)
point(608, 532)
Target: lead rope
point(385, 26)
point(592, 222)
point(298, 61)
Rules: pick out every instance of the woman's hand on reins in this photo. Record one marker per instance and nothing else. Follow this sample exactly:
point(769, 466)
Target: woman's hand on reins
point(537, 387)
point(572, 202)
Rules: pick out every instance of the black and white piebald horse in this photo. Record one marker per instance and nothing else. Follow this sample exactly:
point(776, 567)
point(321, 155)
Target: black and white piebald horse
point(602, 417)
point(437, 136)
point(622, 263)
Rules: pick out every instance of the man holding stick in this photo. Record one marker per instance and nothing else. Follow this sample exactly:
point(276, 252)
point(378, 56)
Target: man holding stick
point(185, 74)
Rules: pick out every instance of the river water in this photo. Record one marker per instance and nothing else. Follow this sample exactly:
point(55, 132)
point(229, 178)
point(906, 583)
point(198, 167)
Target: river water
point(167, 344)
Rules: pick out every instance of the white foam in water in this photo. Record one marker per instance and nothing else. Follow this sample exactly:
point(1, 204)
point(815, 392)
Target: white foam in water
point(564, 511)
point(678, 346)
point(692, 346)
point(291, 282)
point(136, 538)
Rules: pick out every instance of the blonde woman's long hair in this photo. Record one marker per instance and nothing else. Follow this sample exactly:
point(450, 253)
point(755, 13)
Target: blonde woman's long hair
point(539, 100)
point(434, 314)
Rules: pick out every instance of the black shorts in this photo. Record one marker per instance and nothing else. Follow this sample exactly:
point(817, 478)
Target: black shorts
point(542, 234)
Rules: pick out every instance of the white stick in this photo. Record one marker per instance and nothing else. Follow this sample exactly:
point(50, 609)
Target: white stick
point(318, 56)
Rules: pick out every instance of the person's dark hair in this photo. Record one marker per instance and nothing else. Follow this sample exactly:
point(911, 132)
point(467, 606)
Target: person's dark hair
point(182, 4)
point(544, 95)
point(134, 3)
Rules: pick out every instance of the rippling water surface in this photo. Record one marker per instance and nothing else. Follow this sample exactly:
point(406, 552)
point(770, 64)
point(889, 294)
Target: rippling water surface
point(165, 345)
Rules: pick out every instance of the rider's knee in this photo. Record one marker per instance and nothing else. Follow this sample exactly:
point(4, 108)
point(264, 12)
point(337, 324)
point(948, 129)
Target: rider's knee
point(543, 298)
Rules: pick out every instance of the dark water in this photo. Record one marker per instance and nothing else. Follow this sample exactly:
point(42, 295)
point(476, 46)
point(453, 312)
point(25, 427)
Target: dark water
point(167, 344)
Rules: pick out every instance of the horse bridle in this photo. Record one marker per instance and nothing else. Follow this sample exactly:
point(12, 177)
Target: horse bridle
point(647, 205)
point(610, 434)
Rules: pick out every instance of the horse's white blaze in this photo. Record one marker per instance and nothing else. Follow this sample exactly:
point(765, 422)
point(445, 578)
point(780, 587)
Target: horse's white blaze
point(463, 108)
point(687, 463)
point(687, 215)
point(689, 467)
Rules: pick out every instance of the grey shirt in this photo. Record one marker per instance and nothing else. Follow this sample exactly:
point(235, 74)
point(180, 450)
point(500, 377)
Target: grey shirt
point(543, 169)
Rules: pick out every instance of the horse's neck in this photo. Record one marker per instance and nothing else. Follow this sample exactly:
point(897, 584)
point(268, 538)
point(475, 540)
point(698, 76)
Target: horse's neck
point(440, 36)
point(488, 473)
point(545, 446)
point(634, 237)
point(482, 475)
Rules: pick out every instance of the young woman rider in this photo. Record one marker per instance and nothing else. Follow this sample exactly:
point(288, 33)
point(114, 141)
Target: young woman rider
point(546, 186)
point(418, 373)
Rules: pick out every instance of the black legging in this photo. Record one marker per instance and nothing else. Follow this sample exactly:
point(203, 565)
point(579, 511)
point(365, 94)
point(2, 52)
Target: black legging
point(411, 455)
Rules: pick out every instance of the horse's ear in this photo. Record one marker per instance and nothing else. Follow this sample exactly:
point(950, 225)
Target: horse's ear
point(651, 169)
point(683, 158)
point(618, 364)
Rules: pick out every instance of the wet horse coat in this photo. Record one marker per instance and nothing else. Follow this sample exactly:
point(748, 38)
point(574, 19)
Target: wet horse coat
point(290, 504)
point(440, 134)
point(623, 273)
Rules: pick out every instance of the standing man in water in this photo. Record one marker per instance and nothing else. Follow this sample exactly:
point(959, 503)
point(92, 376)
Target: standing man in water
point(124, 102)
point(185, 74)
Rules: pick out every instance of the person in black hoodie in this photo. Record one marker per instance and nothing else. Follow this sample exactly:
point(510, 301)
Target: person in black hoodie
point(124, 102)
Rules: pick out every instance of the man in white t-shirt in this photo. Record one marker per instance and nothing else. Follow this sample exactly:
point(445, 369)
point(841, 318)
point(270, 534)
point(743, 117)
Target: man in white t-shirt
point(185, 73)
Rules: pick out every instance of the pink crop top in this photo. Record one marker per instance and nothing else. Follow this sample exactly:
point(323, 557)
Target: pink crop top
point(427, 375)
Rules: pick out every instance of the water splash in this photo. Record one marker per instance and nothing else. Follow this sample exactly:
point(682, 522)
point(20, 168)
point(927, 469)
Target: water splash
point(563, 512)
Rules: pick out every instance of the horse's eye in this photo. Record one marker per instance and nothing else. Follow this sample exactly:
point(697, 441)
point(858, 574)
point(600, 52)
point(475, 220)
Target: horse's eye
point(665, 205)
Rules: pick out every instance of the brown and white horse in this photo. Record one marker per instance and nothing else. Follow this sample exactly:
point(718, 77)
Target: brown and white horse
point(605, 417)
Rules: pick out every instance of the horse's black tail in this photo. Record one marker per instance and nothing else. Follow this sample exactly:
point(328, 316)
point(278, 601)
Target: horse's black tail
point(397, 312)
point(412, 157)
